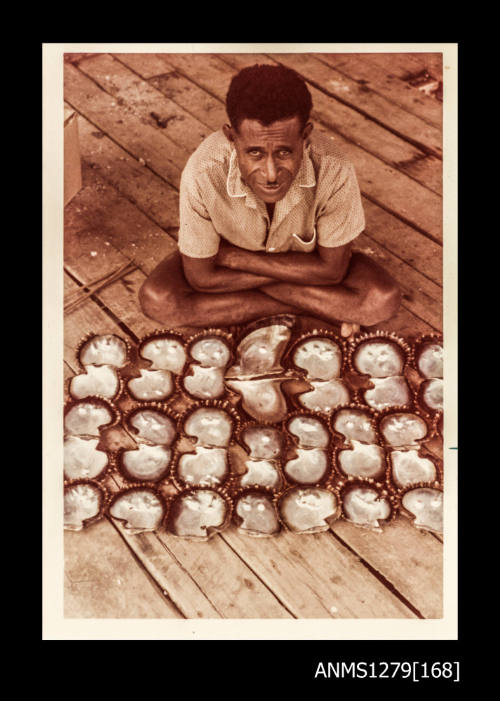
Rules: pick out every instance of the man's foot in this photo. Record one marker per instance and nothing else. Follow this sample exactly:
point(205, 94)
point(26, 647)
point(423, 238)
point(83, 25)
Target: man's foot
point(347, 330)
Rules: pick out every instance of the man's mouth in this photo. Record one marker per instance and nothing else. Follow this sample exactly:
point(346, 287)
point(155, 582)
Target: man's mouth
point(271, 188)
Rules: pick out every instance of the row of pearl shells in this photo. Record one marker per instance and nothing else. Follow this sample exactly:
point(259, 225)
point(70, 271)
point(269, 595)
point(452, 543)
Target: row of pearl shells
point(368, 491)
point(199, 513)
point(399, 432)
point(211, 352)
point(203, 334)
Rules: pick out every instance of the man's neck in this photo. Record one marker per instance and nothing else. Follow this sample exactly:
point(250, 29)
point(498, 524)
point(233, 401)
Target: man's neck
point(270, 209)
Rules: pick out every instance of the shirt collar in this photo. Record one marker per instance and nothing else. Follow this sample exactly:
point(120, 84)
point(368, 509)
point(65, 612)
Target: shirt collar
point(236, 187)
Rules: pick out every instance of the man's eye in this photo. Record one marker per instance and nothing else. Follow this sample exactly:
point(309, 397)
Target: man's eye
point(284, 154)
point(254, 154)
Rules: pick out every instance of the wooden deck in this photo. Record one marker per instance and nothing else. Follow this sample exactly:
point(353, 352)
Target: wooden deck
point(140, 117)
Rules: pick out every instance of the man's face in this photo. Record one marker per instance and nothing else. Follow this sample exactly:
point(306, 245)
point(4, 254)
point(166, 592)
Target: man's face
point(269, 157)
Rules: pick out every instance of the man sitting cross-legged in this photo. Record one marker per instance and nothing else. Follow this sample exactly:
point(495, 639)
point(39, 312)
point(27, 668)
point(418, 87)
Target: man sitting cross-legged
point(268, 211)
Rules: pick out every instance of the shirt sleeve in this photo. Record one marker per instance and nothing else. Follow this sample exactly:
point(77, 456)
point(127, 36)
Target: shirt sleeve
point(342, 218)
point(197, 235)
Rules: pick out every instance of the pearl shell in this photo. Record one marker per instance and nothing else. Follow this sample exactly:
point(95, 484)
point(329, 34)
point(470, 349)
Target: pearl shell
point(212, 427)
point(311, 432)
point(378, 359)
point(82, 460)
point(426, 504)
point(197, 511)
point(305, 509)
point(320, 357)
point(206, 467)
point(141, 510)
point(364, 506)
point(364, 461)
point(81, 502)
point(258, 514)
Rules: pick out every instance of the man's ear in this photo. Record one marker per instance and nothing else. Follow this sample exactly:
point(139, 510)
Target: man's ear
point(307, 130)
point(228, 132)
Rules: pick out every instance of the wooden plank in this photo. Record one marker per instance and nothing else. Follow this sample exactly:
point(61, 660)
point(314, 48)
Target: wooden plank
point(406, 65)
point(102, 580)
point(169, 574)
point(100, 223)
point(143, 99)
point(88, 317)
point(141, 140)
point(420, 296)
point(150, 193)
point(367, 119)
point(361, 69)
point(362, 98)
point(316, 578)
point(225, 577)
point(411, 560)
point(162, 75)
point(382, 184)
point(417, 251)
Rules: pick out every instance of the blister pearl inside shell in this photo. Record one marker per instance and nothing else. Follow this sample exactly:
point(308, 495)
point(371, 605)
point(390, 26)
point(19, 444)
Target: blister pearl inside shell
point(205, 382)
point(320, 357)
point(85, 419)
point(409, 468)
point(388, 392)
point(307, 508)
point(148, 462)
point(153, 426)
point(106, 349)
point(426, 504)
point(258, 514)
point(310, 432)
point(141, 510)
point(206, 467)
point(197, 511)
point(260, 351)
point(403, 429)
point(364, 460)
point(364, 506)
point(211, 352)
point(430, 360)
point(97, 379)
point(354, 426)
point(81, 502)
point(212, 427)
point(82, 460)
point(263, 473)
point(432, 394)
point(262, 399)
point(262, 441)
point(325, 396)
point(152, 384)
point(309, 467)
point(165, 354)
point(378, 359)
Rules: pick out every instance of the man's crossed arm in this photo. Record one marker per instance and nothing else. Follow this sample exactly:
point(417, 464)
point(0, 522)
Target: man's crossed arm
point(235, 268)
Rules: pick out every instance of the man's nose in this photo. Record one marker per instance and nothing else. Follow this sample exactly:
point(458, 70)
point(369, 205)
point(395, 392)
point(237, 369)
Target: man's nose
point(271, 173)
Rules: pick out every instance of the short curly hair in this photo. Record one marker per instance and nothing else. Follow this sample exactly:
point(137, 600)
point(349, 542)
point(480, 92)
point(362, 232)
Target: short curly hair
point(267, 93)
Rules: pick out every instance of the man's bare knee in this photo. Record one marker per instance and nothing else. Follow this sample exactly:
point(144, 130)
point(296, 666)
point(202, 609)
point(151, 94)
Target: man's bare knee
point(160, 305)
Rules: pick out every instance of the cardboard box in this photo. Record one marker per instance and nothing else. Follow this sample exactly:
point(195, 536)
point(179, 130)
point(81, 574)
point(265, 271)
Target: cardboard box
point(72, 163)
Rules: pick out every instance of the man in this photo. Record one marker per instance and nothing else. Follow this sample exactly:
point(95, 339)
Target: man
point(268, 212)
